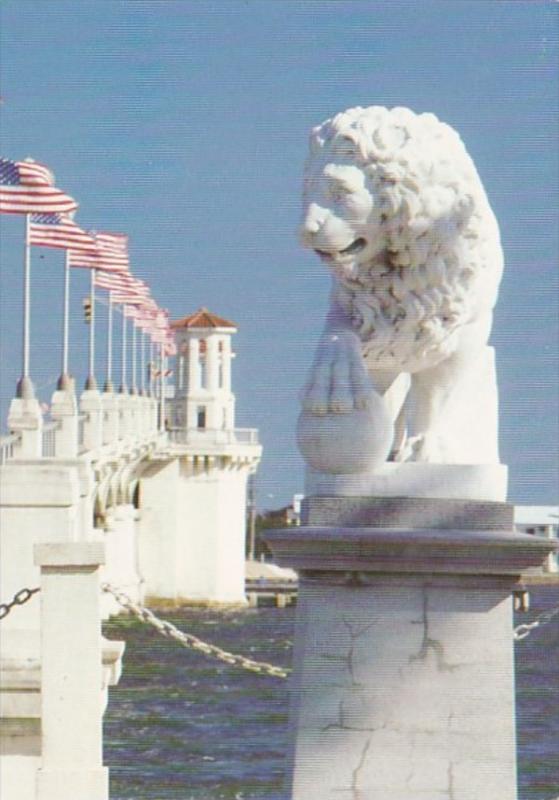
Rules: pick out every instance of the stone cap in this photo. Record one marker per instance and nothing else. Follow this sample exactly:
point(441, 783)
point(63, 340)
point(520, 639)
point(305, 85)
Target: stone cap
point(69, 554)
point(407, 512)
point(398, 550)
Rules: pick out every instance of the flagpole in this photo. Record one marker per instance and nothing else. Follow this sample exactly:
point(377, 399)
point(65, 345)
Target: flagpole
point(151, 358)
point(162, 385)
point(123, 388)
point(64, 380)
point(24, 388)
point(143, 362)
point(109, 380)
point(134, 345)
point(91, 383)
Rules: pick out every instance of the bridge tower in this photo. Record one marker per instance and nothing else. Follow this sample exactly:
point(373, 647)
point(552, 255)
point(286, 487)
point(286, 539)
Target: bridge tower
point(192, 500)
point(203, 396)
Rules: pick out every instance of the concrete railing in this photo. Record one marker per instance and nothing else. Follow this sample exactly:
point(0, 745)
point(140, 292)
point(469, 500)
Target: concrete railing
point(49, 439)
point(215, 436)
point(8, 446)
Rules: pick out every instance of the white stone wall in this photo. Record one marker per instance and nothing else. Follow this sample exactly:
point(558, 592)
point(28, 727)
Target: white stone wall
point(192, 531)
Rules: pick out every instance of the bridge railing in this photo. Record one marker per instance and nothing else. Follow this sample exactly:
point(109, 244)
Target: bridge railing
point(213, 436)
point(8, 446)
point(49, 438)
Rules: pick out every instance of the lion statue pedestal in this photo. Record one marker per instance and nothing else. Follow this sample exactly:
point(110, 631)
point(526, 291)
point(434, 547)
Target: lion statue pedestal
point(403, 684)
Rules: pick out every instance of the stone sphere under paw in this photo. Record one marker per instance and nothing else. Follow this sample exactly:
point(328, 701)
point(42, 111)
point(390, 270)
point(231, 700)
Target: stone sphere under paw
point(358, 441)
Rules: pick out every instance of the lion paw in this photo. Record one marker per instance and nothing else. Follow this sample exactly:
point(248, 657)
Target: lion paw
point(338, 382)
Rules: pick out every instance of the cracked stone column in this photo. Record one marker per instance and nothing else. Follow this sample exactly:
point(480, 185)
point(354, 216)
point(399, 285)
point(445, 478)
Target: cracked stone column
point(403, 683)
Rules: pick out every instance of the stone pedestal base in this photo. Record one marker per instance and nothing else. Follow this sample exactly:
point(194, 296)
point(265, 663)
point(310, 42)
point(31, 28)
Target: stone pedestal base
point(466, 481)
point(403, 683)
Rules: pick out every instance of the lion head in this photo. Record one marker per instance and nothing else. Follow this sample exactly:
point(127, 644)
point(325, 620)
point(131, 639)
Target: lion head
point(394, 206)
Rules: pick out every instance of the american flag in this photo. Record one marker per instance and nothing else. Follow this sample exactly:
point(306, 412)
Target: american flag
point(131, 312)
point(113, 250)
point(113, 281)
point(59, 230)
point(27, 187)
point(111, 254)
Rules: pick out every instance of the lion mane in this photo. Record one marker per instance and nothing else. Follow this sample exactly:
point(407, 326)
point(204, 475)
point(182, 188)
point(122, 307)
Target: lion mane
point(440, 262)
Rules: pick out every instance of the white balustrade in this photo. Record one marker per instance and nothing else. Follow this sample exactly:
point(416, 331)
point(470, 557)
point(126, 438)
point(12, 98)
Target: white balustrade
point(213, 436)
point(8, 446)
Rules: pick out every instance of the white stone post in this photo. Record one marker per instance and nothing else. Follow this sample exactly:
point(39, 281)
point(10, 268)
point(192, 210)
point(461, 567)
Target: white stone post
point(64, 409)
point(25, 418)
point(91, 404)
point(110, 417)
point(403, 683)
point(127, 416)
point(71, 673)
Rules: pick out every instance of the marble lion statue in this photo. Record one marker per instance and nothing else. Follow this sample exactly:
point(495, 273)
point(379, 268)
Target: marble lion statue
point(394, 207)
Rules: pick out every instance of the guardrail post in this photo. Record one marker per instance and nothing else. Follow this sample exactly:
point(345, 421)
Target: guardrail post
point(25, 417)
point(71, 673)
point(92, 405)
point(64, 409)
point(110, 417)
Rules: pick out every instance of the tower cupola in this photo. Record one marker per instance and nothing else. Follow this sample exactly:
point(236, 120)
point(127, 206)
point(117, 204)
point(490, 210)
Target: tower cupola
point(203, 396)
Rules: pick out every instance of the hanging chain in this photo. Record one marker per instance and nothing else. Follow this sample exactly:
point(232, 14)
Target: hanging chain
point(19, 599)
point(524, 630)
point(193, 642)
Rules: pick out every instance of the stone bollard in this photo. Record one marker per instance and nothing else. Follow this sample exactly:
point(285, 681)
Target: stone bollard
point(403, 684)
point(91, 404)
point(64, 409)
point(25, 418)
point(125, 425)
point(110, 417)
point(71, 673)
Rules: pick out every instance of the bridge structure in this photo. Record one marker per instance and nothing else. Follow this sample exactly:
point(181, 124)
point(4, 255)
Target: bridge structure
point(108, 489)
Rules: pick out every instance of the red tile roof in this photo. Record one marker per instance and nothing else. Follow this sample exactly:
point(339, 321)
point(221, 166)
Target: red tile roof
point(203, 319)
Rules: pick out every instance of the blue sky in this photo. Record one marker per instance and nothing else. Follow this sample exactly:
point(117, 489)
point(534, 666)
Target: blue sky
point(184, 124)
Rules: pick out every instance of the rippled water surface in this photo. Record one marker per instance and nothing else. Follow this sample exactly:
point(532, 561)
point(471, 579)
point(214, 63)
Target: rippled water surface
point(182, 727)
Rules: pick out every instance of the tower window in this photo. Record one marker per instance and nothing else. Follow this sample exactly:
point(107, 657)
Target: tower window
point(201, 417)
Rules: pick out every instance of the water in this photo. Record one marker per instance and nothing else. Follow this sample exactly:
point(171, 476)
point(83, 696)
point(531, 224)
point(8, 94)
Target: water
point(182, 727)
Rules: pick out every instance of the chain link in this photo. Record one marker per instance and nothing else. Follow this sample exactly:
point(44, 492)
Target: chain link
point(524, 630)
point(193, 642)
point(19, 599)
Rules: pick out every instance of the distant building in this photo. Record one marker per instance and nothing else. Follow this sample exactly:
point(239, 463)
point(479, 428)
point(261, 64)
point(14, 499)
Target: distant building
point(540, 521)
